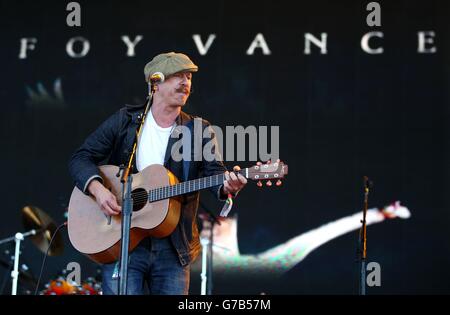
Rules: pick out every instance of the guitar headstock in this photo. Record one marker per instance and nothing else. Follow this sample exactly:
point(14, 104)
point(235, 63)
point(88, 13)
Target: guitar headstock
point(269, 171)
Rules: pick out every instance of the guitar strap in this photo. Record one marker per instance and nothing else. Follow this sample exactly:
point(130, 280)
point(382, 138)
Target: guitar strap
point(186, 164)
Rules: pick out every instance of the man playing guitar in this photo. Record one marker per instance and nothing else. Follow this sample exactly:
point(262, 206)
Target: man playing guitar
point(159, 264)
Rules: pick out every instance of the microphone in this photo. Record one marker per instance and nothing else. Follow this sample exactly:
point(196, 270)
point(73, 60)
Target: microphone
point(157, 77)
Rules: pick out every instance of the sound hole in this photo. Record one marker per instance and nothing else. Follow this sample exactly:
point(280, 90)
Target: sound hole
point(140, 198)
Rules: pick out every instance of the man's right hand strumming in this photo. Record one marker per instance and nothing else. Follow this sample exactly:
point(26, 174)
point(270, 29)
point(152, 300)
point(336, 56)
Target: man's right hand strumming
point(105, 199)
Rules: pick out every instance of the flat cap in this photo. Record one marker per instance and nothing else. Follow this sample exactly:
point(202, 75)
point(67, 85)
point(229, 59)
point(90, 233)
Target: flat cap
point(168, 64)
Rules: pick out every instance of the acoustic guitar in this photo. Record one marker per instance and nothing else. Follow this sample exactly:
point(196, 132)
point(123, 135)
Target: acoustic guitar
point(156, 207)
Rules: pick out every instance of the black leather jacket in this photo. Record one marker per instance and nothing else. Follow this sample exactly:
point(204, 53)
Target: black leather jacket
point(111, 143)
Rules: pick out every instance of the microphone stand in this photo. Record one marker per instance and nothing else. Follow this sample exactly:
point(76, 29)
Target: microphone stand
point(363, 239)
point(18, 237)
point(127, 202)
point(207, 254)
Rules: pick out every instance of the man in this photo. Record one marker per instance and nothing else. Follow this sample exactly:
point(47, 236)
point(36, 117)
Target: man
point(163, 264)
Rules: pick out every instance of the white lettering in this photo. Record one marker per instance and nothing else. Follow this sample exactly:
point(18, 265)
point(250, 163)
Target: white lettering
point(426, 38)
point(365, 43)
point(69, 47)
point(322, 43)
point(259, 42)
point(26, 44)
point(131, 44)
point(203, 48)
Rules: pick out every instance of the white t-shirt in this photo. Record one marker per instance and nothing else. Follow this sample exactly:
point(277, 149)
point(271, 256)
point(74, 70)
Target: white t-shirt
point(153, 143)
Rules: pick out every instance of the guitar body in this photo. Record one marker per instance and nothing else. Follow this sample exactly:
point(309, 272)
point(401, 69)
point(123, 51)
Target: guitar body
point(99, 237)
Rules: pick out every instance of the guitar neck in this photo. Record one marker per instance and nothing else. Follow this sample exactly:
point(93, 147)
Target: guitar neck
point(186, 187)
point(257, 172)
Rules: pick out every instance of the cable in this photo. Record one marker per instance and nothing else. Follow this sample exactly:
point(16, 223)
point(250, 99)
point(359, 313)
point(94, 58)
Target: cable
point(45, 256)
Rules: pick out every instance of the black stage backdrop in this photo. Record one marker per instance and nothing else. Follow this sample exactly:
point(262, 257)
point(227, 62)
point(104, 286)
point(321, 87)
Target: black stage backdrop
point(342, 114)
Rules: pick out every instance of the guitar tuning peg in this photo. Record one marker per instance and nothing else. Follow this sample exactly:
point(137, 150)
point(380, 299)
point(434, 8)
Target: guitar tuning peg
point(269, 183)
point(259, 184)
point(279, 182)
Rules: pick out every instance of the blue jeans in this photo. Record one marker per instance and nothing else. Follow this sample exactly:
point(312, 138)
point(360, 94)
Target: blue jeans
point(152, 270)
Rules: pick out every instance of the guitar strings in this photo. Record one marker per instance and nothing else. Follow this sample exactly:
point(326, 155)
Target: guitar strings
point(162, 193)
point(143, 196)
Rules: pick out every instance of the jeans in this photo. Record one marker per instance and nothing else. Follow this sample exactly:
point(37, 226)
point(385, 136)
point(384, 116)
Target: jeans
point(151, 270)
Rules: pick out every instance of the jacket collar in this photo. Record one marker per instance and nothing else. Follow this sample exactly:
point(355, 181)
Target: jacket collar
point(135, 112)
